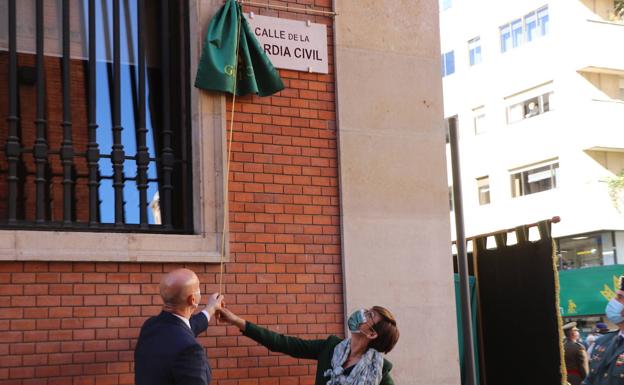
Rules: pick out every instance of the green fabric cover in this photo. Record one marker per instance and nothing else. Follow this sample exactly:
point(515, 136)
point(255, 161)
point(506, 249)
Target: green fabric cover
point(587, 291)
point(460, 332)
point(319, 350)
point(215, 72)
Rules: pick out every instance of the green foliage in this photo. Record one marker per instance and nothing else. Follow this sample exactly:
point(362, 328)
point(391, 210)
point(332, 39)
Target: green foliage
point(615, 184)
point(618, 8)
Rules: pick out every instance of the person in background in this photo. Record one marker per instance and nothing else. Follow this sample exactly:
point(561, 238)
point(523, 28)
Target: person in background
point(600, 329)
point(590, 341)
point(167, 352)
point(575, 355)
point(357, 360)
point(607, 359)
point(532, 110)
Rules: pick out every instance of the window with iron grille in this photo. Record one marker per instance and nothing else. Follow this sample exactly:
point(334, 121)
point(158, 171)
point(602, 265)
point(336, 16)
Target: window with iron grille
point(95, 100)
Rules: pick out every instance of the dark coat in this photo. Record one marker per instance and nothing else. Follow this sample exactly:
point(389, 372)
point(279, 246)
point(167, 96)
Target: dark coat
point(606, 364)
point(576, 361)
point(167, 352)
point(319, 350)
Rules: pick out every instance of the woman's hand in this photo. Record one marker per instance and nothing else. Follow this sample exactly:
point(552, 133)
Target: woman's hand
point(227, 316)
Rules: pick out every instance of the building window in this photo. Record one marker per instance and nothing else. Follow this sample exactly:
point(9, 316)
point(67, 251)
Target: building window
point(448, 63)
point(535, 179)
point(529, 108)
point(474, 50)
point(530, 23)
point(479, 120)
point(108, 147)
point(587, 250)
point(533, 25)
point(516, 33)
point(445, 4)
point(483, 188)
point(543, 21)
point(505, 36)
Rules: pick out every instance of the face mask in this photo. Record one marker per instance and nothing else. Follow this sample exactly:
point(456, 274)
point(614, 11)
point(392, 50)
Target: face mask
point(614, 311)
point(356, 318)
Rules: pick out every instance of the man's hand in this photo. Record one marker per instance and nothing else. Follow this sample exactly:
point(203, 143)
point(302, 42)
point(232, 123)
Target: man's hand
point(215, 302)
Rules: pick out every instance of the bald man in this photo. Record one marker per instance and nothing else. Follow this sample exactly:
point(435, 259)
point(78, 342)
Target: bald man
point(167, 352)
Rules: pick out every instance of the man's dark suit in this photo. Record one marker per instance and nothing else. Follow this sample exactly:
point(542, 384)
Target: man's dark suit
point(167, 352)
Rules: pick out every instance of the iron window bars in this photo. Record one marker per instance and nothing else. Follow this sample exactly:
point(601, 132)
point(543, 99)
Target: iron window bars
point(135, 142)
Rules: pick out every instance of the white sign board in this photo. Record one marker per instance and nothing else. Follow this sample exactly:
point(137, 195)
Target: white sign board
point(292, 44)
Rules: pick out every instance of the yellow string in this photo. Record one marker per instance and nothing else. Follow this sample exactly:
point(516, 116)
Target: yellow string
point(562, 365)
point(229, 159)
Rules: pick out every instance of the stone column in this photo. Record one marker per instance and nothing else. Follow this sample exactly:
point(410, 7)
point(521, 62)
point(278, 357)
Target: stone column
point(394, 193)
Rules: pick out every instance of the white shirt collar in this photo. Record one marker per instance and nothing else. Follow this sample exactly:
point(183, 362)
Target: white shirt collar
point(185, 320)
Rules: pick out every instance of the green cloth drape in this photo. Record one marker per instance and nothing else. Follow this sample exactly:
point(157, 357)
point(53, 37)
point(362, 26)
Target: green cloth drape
point(460, 333)
point(216, 70)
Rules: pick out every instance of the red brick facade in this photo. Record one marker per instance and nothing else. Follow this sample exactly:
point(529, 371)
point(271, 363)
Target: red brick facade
point(77, 323)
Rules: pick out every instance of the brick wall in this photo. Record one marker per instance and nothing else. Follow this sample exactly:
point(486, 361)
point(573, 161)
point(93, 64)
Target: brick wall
point(77, 323)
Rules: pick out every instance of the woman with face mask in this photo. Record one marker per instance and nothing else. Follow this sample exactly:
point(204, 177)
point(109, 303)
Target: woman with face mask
point(357, 360)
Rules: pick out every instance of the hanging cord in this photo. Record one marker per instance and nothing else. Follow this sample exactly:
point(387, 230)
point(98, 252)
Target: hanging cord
point(229, 158)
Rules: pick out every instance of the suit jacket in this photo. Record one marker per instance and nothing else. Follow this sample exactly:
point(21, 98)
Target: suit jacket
point(319, 350)
point(167, 352)
point(576, 361)
point(606, 365)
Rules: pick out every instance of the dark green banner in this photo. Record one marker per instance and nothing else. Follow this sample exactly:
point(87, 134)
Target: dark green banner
point(587, 291)
point(222, 69)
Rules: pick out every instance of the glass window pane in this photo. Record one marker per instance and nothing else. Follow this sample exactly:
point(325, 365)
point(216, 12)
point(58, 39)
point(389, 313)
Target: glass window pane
point(516, 185)
point(127, 136)
point(515, 113)
point(449, 60)
point(536, 180)
point(541, 179)
point(505, 34)
point(545, 102)
point(474, 51)
point(516, 29)
point(530, 22)
point(483, 186)
point(542, 17)
point(580, 251)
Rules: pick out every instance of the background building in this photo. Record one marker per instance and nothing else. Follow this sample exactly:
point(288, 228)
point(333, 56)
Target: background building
point(539, 95)
point(335, 199)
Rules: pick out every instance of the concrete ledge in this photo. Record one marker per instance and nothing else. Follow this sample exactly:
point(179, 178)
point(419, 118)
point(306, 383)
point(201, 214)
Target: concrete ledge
point(19, 245)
